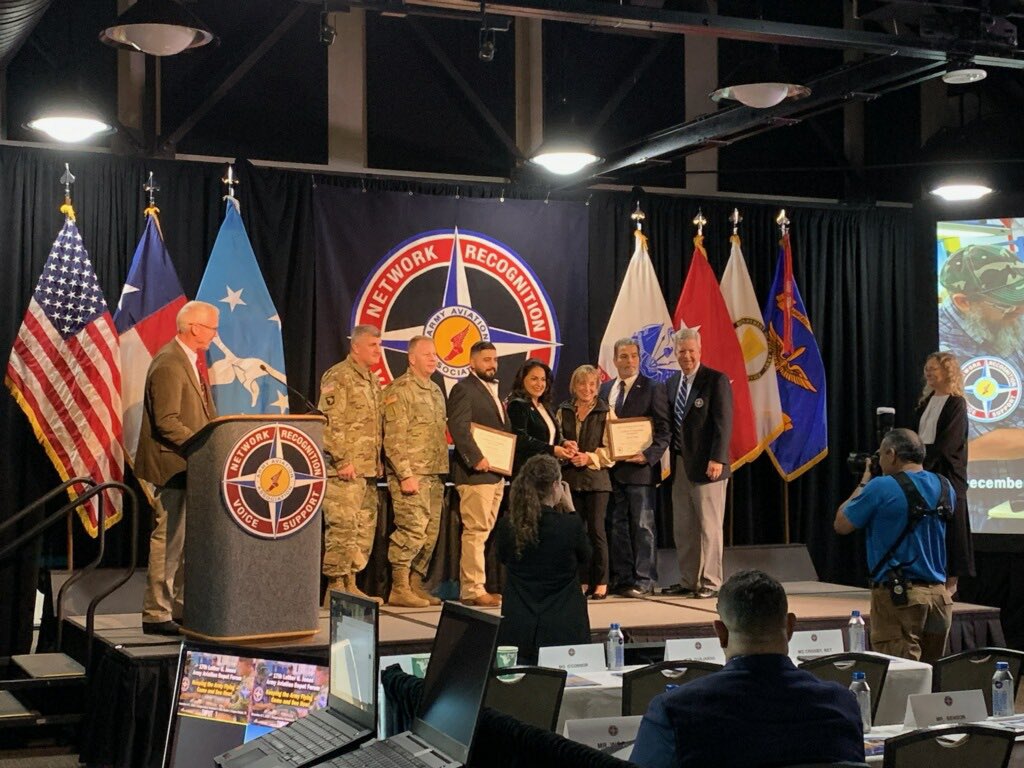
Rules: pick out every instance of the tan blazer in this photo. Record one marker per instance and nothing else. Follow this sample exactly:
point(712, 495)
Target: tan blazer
point(174, 409)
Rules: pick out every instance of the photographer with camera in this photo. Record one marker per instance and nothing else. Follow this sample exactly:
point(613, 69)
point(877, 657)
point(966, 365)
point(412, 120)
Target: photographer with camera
point(904, 514)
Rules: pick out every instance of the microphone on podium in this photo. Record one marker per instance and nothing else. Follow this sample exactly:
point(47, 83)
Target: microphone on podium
point(312, 408)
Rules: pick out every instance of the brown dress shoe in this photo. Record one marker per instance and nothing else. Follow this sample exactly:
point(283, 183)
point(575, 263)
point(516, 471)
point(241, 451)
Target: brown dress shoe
point(486, 600)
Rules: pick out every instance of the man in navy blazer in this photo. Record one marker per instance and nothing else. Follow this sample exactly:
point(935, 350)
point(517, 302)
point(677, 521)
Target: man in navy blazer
point(475, 399)
point(700, 402)
point(632, 546)
point(757, 710)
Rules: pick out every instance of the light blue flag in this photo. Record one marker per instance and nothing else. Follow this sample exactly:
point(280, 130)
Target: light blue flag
point(801, 374)
point(246, 359)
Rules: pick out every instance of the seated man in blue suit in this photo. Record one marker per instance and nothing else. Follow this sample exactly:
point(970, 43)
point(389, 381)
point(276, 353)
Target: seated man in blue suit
point(759, 710)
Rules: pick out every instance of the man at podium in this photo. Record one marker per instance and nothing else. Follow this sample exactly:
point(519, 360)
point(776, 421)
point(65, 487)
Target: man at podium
point(177, 404)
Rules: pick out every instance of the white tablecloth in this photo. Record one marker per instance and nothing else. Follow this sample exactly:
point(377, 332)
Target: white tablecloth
point(605, 699)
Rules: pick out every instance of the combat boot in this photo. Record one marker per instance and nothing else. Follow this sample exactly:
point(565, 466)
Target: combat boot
point(416, 585)
point(353, 589)
point(336, 583)
point(401, 594)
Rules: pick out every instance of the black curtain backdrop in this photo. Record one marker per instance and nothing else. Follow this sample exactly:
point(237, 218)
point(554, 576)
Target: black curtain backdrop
point(869, 296)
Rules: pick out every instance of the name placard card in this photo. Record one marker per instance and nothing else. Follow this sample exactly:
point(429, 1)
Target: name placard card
point(573, 658)
point(603, 732)
point(697, 649)
point(816, 642)
point(949, 708)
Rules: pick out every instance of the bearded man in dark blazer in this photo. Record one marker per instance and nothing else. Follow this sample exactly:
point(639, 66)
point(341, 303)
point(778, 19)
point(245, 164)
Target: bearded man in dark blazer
point(700, 401)
point(176, 405)
point(475, 399)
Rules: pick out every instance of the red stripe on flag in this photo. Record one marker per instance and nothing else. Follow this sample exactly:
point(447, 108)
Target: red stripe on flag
point(58, 446)
point(158, 328)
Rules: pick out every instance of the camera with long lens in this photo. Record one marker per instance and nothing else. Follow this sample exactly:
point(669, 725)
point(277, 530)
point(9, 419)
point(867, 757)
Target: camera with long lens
point(885, 420)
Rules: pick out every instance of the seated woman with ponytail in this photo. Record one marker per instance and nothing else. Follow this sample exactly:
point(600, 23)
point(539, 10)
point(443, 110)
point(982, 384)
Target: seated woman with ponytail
point(542, 547)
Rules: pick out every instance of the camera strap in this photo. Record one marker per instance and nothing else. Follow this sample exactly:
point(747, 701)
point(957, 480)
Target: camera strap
point(917, 509)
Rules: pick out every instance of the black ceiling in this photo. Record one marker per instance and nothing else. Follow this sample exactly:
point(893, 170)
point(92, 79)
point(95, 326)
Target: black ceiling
point(418, 119)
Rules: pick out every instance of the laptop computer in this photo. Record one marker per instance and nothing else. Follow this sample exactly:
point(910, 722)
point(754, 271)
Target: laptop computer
point(453, 691)
point(351, 712)
point(226, 695)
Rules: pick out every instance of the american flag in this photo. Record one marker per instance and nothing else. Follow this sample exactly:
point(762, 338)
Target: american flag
point(65, 372)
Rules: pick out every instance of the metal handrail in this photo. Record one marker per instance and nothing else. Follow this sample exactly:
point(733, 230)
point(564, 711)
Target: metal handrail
point(95, 491)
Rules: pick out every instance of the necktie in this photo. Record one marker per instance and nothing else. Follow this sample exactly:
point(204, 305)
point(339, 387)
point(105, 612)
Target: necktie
point(620, 399)
point(204, 377)
point(680, 409)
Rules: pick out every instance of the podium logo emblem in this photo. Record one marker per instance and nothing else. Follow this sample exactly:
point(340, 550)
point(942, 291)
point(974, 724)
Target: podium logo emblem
point(274, 481)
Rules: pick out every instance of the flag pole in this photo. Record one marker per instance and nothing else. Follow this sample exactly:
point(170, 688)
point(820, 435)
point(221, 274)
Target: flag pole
point(638, 216)
point(231, 181)
point(783, 223)
point(67, 179)
point(734, 219)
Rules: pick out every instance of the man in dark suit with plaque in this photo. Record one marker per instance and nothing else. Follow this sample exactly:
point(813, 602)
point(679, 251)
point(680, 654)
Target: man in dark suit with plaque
point(176, 405)
point(632, 548)
point(700, 401)
point(475, 399)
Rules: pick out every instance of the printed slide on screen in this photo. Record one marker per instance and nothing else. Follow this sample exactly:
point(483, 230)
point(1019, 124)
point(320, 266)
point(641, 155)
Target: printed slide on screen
point(981, 321)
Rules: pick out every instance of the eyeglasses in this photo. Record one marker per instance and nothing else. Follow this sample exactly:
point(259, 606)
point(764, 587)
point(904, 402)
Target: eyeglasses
point(207, 327)
point(1000, 307)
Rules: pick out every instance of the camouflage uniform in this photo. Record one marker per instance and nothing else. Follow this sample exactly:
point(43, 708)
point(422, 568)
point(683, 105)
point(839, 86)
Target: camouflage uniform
point(350, 397)
point(415, 445)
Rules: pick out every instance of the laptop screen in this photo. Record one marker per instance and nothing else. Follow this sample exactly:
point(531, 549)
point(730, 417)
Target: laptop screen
point(226, 696)
point(456, 680)
point(353, 689)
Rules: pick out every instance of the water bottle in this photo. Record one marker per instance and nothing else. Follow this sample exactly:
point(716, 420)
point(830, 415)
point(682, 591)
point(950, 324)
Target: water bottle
point(855, 633)
point(614, 648)
point(860, 689)
point(1002, 690)
point(671, 687)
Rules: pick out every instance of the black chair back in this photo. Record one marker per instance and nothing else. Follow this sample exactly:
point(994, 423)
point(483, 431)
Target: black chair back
point(981, 746)
point(641, 685)
point(839, 668)
point(972, 670)
point(532, 695)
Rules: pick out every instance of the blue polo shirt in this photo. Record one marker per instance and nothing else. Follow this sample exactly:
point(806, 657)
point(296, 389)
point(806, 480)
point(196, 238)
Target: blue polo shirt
point(881, 509)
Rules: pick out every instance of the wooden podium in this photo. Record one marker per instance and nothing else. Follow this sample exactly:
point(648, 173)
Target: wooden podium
point(252, 528)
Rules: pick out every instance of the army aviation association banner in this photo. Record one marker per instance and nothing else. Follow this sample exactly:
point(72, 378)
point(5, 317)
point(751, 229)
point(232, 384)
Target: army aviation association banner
point(458, 270)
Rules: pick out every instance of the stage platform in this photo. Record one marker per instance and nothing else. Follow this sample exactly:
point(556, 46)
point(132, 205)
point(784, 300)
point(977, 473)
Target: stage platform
point(132, 673)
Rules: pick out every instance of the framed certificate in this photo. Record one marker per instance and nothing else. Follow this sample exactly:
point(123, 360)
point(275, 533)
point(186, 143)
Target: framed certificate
point(497, 446)
point(628, 437)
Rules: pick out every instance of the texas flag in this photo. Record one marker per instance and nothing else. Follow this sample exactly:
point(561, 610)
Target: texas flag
point(701, 306)
point(145, 319)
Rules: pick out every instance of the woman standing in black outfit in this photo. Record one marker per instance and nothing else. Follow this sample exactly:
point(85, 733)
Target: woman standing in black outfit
point(543, 549)
point(531, 417)
point(582, 418)
point(942, 411)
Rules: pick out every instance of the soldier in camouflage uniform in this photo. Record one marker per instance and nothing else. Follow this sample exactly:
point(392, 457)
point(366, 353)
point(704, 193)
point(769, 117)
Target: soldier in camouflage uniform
point(416, 450)
point(350, 397)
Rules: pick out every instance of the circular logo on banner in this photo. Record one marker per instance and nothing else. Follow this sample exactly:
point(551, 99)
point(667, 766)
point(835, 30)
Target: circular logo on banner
point(458, 288)
point(274, 481)
point(992, 388)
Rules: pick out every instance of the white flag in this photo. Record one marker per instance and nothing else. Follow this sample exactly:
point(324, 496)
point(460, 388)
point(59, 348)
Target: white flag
point(640, 313)
point(745, 312)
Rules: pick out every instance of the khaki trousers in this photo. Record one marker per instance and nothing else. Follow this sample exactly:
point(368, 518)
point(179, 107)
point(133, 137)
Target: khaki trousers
point(698, 513)
point(417, 521)
point(350, 511)
point(165, 577)
point(478, 507)
point(917, 630)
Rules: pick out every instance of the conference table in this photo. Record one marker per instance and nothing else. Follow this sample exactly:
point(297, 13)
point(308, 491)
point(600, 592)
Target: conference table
point(888, 731)
point(598, 693)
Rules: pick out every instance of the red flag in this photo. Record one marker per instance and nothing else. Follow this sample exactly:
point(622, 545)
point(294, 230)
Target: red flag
point(65, 372)
point(701, 306)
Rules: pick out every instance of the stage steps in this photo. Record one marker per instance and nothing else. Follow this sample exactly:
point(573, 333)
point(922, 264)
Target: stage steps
point(42, 699)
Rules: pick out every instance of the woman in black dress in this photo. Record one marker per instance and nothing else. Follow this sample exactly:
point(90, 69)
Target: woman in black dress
point(582, 418)
point(542, 548)
point(531, 417)
point(942, 425)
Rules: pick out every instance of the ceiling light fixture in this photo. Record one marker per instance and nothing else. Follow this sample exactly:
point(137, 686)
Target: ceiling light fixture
point(760, 82)
point(962, 71)
point(157, 27)
point(565, 158)
point(961, 191)
point(69, 117)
